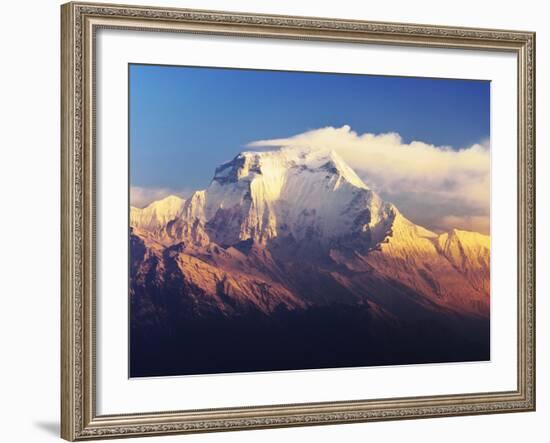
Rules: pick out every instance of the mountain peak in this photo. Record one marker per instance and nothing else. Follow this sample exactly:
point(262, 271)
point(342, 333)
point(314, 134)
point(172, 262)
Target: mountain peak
point(249, 164)
point(290, 192)
point(337, 165)
point(157, 213)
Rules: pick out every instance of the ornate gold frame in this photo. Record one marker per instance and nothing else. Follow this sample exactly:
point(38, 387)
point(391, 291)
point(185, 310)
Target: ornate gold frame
point(79, 21)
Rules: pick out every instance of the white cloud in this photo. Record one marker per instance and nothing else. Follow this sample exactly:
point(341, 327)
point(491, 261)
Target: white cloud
point(436, 186)
point(142, 196)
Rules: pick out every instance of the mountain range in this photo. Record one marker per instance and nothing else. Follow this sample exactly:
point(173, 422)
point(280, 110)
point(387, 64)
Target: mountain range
point(235, 277)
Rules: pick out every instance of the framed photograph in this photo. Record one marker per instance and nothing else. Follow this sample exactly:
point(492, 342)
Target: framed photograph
point(282, 221)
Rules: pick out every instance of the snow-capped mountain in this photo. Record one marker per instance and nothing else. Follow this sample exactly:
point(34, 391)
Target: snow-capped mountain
point(291, 240)
point(298, 228)
point(157, 214)
point(288, 192)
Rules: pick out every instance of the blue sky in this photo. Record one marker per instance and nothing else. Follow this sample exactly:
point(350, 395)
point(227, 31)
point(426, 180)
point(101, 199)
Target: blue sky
point(185, 121)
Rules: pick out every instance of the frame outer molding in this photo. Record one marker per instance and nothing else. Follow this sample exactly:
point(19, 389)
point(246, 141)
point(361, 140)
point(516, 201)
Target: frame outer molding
point(78, 415)
point(68, 387)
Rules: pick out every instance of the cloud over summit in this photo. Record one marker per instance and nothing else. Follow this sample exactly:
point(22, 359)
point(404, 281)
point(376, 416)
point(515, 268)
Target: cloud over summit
point(436, 186)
